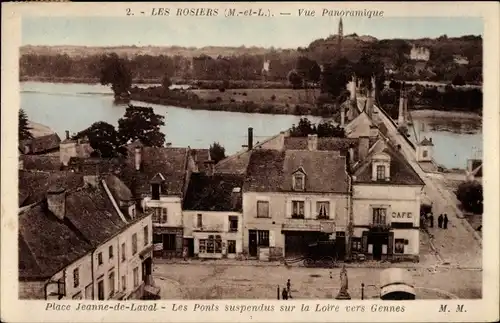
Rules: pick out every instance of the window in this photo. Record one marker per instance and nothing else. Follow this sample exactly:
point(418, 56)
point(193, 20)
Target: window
point(379, 216)
point(99, 258)
point(136, 277)
point(134, 243)
point(146, 235)
point(111, 279)
point(110, 251)
point(399, 246)
point(76, 277)
point(100, 290)
point(211, 245)
point(199, 220)
point(88, 291)
point(160, 215)
point(262, 209)
point(233, 223)
point(298, 209)
point(169, 242)
point(123, 251)
point(424, 153)
point(263, 238)
point(77, 295)
point(231, 246)
point(356, 244)
point(155, 191)
point(124, 283)
point(323, 209)
point(380, 172)
point(298, 182)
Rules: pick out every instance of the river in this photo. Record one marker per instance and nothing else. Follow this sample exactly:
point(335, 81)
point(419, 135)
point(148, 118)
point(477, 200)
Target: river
point(74, 107)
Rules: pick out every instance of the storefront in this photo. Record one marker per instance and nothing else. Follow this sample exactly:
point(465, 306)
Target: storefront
point(297, 242)
point(167, 241)
point(216, 245)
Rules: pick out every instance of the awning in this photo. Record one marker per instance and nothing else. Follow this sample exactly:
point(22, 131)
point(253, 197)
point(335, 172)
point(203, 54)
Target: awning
point(153, 290)
point(143, 254)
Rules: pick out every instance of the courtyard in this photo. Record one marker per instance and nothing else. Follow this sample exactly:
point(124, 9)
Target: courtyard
point(212, 280)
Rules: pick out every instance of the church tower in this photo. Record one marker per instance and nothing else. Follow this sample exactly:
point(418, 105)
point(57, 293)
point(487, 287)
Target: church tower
point(340, 36)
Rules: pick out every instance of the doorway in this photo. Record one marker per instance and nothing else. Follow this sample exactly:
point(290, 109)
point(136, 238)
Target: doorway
point(190, 246)
point(252, 243)
point(377, 251)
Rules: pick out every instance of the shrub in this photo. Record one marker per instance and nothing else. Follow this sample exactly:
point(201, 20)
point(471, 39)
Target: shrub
point(470, 194)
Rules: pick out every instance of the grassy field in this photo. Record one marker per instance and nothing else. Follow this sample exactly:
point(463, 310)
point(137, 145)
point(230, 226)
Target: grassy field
point(282, 97)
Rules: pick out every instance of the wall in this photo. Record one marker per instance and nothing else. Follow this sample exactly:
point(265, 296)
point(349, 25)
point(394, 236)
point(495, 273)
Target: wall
point(280, 212)
point(84, 266)
point(66, 151)
point(173, 204)
point(31, 290)
point(420, 153)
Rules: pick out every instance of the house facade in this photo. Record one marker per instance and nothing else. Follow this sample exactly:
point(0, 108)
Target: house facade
point(106, 251)
point(292, 198)
point(212, 216)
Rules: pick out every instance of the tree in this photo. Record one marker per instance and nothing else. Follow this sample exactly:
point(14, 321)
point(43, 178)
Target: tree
point(295, 79)
point(217, 152)
point(166, 82)
point(323, 129)
point(103, 138)
point(115, 71)
point(470, 194)
point(335, 77)
point(308, 69)
point(458, 80)
point(23, 128)
point(141, 123)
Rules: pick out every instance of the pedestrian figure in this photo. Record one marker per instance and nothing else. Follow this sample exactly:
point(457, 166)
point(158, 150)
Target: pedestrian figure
point(284, 294)
point(431, 220)
point(440, 220)
point(185, 253)
point(445, 221)
point(288, 287)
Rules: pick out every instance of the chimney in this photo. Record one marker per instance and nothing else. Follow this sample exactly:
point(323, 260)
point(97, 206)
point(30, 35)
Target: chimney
point(236, 198)
point(401, 114)
point(91, 180)
point(351, 156)
point(363, 147)
point(354, 82)
point(138, 158)
point(67, 134)
point(56, 201)
point(210, 166)
point(312, 142)
point(342, 116)
point(250, 138)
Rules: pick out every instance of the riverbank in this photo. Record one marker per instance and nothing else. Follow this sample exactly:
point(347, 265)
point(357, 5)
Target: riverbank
point(432, 114)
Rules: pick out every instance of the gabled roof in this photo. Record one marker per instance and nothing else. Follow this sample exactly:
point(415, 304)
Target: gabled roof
point(426, 142)
point(359, 126)
point(272, 171)
point(213, 193)
point(401, 172)
point(170, 162)
point(42, 144)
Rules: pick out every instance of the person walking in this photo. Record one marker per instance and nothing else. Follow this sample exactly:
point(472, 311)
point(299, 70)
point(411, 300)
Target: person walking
point(440, 220)
point(288, 288)
point(284, 293)
point(445, 221)
point(431, 220)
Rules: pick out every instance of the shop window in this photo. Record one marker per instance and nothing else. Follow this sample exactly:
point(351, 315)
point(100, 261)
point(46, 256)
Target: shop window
point(157, 238)
point(298, 209)
point(233, 223)
point(169, 242)
point(231, 246)
point(262, 209)
point(379, 216)
point(211, 245)
point(356, 245)
point(202, 246)
point(323, 210)
point(160, 215)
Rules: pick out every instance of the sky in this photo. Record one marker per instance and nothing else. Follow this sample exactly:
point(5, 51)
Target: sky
point(280, 32)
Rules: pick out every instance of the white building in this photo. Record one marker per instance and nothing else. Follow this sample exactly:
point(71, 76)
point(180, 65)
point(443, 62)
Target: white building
point(85, 243)
point(420, 53)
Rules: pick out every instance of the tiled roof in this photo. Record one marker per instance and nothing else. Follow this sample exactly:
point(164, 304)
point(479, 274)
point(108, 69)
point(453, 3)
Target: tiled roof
point(41, 162)
point(33, 185)
point(401, 172)
point(42, 144)
point(213, 193)
point(48, 244)
point(426, 142)
point(324, 143)
point(95, 165)
point(170, 162)
point(271, 171)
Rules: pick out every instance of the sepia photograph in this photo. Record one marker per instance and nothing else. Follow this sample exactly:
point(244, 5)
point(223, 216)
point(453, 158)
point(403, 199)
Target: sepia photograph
point(213, 155)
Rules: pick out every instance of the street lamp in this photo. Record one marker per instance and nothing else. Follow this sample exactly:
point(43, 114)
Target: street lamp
point(363, 289)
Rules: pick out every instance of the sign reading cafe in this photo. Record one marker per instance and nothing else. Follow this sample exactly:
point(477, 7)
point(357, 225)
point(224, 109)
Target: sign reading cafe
point(401, 215)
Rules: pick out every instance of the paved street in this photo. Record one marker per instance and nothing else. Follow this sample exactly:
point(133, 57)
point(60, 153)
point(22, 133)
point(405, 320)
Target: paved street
point(457, 245)
point(200, 280)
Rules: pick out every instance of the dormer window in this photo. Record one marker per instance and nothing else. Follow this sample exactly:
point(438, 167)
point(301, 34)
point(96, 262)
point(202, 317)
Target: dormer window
point(155, 191)
point(380, 172)
point(381, 167)
point(298, 180)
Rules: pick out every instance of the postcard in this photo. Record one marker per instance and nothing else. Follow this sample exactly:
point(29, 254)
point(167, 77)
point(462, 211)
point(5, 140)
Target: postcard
point(250, 162)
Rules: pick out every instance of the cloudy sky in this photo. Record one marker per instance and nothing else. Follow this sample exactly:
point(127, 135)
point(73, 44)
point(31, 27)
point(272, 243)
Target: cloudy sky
point(281, 32)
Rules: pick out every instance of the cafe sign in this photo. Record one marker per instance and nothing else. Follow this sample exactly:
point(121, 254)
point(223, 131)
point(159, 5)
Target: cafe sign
point(402, 215)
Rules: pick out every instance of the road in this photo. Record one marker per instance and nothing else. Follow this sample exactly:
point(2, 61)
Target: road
point(458, 245)
point(199, 280)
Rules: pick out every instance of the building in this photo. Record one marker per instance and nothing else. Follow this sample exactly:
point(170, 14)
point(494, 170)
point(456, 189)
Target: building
point(69, 148)
point(419, 53)
point(212, 216)
point(40, 145)
point(158, 177)
point(292, 198)
point(85, 243)
point(425, 150)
